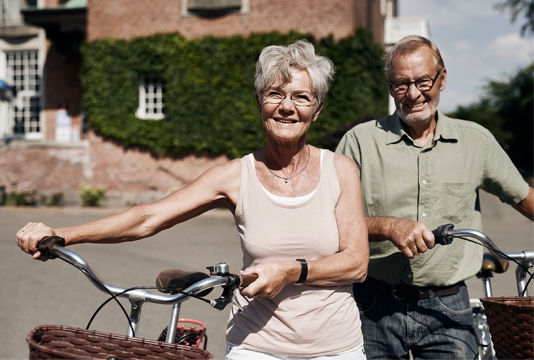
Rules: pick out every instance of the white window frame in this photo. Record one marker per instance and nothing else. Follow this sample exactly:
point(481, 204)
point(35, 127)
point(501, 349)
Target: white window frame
point(245, 8)
point(24, 98)
point(148, 109)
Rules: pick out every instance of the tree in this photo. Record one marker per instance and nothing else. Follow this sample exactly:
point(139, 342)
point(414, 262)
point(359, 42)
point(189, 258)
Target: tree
point(517, 7)
point(514, 101)
point(507, 110)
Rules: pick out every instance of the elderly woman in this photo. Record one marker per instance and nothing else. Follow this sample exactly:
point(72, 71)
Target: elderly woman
point(299, 214)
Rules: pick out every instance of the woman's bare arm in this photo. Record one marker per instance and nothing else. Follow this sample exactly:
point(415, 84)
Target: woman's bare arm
point(217, 187)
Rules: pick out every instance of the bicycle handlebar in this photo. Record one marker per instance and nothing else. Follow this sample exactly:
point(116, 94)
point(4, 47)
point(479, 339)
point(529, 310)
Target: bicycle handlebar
point(445, 234)
point(52, 247)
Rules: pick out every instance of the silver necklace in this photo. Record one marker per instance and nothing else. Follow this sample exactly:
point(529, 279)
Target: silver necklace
point(291, 177)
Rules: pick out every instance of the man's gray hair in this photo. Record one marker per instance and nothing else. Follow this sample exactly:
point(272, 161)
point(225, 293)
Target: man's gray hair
point(275, 62)
point(408, 45)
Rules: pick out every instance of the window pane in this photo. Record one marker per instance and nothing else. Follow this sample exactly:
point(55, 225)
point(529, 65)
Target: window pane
point(23, 74)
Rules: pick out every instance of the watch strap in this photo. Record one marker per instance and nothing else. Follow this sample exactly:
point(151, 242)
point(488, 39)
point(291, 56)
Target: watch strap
point(303, 271)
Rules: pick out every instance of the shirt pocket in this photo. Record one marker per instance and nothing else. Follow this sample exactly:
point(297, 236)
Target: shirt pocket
point(457, 202)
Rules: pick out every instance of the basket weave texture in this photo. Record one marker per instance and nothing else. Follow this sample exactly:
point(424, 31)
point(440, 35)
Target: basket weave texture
point(65, 342)
point(511, 325)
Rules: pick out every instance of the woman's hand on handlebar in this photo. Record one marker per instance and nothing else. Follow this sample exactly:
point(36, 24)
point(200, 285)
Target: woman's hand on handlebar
point(29, 236)
point(272, 277)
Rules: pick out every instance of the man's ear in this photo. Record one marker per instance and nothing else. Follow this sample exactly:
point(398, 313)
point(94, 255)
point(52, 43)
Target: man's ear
point(443, 77)
point(260, 107)
point(389, 89)
point(319, 108)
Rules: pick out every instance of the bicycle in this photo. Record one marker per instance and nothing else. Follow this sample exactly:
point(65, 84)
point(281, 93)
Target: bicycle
point(494, 262)
point(175, 342)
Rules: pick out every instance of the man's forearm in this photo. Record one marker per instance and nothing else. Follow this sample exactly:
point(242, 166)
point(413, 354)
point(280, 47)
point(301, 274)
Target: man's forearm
point(526, 206)
point(378, 227)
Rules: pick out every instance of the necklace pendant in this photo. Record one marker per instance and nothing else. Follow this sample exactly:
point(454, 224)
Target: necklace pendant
point(287, 180)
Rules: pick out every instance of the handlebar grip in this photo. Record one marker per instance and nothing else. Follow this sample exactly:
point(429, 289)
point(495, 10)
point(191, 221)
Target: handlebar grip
point(45, 245)
point(247, 279)
point(441, 234)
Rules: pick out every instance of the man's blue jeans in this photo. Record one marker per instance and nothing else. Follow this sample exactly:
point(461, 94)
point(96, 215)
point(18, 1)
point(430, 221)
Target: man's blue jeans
point(433, 328)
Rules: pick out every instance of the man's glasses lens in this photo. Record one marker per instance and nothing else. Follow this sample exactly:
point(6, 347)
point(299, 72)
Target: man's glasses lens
point(299, 98)
point(423, 84)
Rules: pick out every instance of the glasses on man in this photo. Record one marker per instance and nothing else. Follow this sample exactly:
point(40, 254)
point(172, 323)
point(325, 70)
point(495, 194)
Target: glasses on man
point(423, 84)
point(300, 98)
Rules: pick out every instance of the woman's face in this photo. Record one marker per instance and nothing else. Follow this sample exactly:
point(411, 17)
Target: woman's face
point(287, 122)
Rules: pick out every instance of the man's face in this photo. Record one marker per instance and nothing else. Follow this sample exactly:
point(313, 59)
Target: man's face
point(417, 108)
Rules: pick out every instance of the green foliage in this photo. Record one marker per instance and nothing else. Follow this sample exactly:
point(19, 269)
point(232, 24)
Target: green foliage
point(514, 100)
point(209, 89)
point(56, 199)
point(92, 195)
point(520, 7)
point(23, 195)
point(507, 110)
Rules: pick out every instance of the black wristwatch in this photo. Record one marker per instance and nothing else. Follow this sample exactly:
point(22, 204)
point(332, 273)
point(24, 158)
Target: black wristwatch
point(303, 272)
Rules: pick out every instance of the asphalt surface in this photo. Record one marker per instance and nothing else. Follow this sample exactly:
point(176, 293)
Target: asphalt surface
point(36, 293)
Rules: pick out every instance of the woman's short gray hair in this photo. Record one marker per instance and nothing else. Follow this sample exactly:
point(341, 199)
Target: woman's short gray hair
point(408, 45)
point(275, 62)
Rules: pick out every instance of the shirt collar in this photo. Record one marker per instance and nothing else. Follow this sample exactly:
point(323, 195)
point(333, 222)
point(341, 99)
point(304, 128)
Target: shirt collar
point(444, 129)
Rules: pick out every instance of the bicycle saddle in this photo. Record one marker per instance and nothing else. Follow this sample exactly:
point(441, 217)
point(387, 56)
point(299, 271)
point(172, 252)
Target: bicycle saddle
point(491, 263)
point(179, 280)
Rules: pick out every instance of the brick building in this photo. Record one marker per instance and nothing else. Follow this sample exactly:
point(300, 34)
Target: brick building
point(46, 141)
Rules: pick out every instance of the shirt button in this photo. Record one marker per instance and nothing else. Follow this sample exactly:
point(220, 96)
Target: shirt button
point(410, 276)
point(424, 214)
point(424, 182)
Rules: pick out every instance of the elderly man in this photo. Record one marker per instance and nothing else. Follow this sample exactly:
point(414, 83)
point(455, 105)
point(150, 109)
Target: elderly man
point(420, 169)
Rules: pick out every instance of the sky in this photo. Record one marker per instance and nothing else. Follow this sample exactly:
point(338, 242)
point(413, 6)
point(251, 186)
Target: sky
point(478, 43)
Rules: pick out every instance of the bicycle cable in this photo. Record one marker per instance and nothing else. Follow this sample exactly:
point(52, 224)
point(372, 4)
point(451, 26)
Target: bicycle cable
point(500, 253)
point(114, 297)
point(107, 290)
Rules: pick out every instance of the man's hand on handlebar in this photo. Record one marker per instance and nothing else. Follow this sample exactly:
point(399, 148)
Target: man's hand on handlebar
point(29, 236)
point(410, 237)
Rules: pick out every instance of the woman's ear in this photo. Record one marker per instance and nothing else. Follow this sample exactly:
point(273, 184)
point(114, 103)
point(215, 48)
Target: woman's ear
point(317, 111)
point(260, 107)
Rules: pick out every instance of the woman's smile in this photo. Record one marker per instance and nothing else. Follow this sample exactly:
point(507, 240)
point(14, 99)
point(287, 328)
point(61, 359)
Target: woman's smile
point(285, 121)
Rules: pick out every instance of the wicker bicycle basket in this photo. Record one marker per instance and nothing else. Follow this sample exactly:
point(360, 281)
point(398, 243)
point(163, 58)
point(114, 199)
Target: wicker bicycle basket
point(511, 325)
point(65, 342)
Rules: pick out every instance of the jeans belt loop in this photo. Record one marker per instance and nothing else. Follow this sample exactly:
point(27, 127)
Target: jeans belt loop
point(395, 295)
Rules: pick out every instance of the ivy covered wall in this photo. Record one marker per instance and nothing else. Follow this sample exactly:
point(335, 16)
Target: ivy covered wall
point(209, 89)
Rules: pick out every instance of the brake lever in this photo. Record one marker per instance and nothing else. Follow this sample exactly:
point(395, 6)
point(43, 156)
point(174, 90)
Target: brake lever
point(228, 292)
point(441, 234)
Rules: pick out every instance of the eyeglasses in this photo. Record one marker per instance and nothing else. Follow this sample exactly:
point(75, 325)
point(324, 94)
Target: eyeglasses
point(300, 98)
point(423, 84)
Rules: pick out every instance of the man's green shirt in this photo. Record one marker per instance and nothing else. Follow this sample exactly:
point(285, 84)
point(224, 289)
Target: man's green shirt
point(436, 184)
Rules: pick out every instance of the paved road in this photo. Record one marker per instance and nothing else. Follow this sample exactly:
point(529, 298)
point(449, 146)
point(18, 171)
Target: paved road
point(35, 293)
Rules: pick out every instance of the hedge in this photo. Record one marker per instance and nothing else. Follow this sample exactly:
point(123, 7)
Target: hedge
point(209, 89)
